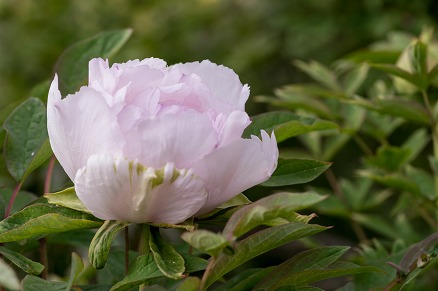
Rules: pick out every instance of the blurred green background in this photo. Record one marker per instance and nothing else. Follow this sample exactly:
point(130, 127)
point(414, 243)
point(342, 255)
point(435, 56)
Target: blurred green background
point(258, 39)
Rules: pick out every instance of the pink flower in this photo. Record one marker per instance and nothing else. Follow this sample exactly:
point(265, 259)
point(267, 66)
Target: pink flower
point(144, 142)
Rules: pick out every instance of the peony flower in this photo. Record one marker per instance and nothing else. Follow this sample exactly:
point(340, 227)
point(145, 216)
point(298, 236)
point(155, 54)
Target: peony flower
point(147, 142)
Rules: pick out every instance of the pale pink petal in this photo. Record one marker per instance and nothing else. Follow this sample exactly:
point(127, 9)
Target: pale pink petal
point(233, 127)
point(118, 189)
point(153, 63)
point(232, 169)
point(176, 134)
point(224, 84)
point(79, 126)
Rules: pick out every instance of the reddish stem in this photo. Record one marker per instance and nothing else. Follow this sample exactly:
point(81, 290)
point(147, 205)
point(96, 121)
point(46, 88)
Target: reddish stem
point(126, 249)
point(48, 181)
point(12, 200)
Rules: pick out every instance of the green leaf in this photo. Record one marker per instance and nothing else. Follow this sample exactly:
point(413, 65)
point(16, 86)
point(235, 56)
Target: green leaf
point(430, 265)
point(8, 278)
point(101, 243)
point(76, 268)
point(296, 171)
point(285, 125)
point(424, 180)
point(72, 65)
point(394, 180)
point(168, 260)
point(23, 199)
point(376, 223)
point(42, 219)
point(27, 145)
point(355, 78)
point(289, 92)
point(406, 109)
point(193, 263)
point(22, 262)
point(32, 283)
point(315, 259)
point(67, 198)
point(142, 269)
point(338, 269)
point(257, 244)
point(415, 143)
point(396, 71)
point(206, 241)
point(390, 158)
point(238, 200)
point(418, 61)
point(245, 280)
point(189, 284)
point(266, 209)
point(319, 73)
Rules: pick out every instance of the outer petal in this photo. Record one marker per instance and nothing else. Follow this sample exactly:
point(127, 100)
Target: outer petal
point(119, 189)
point(233, 127)
point(223, 83)
point(236, 167)
point(176, 134)
point(79, 126)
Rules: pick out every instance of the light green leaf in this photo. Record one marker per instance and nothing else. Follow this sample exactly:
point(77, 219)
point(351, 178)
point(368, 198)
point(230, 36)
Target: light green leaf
point(418, 62)
point(8, 278)
point(286, 125)
point(32, 283)
point(42, 219)
point(187, 225)
point(289, 92)
point(396, 71)
point(296, 171)
point(314, 259)
point(76, 268)
point(390, 158)
point(267, 209)
point(168, 260)
point(424, 180)
point(22, 262)
point(101, 243)
point(193, 263)
point(67, 198)
point(355, 78)
point(257, 244)
point(238, 200)
point(415, 143)
point(319, 73)
point(394, 180)
point(72, 65)
point(189, 284)
point(142, 269)
point(406, 109)
point(206, 241)
point(27, 145)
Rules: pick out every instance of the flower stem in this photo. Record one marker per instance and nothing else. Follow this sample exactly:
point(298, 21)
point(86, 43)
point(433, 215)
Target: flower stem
point(126, 249)
point(48, 181)
point(12, 200)
point(44, 258)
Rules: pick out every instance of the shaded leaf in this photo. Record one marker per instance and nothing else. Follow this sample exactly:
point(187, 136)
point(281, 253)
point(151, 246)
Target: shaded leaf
point(142, 269)
point(257, 244)
point(206, 241)
point(245, 280)
point(189, 284)
point(285, 125)
point(314, 259)
point(27, 145)
point(338, 269)
point(193, 263)
point(42, 219)
point(72, 65)
point(418, 62)
point(32, 283)
point(76, 268)
point(23, 199)
point(22, 262)
point(424, 180)
point(266, 209)
point(296, 171)
point(101, 243)
point(67, 198)
point(396, 71)
point(168, 260)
